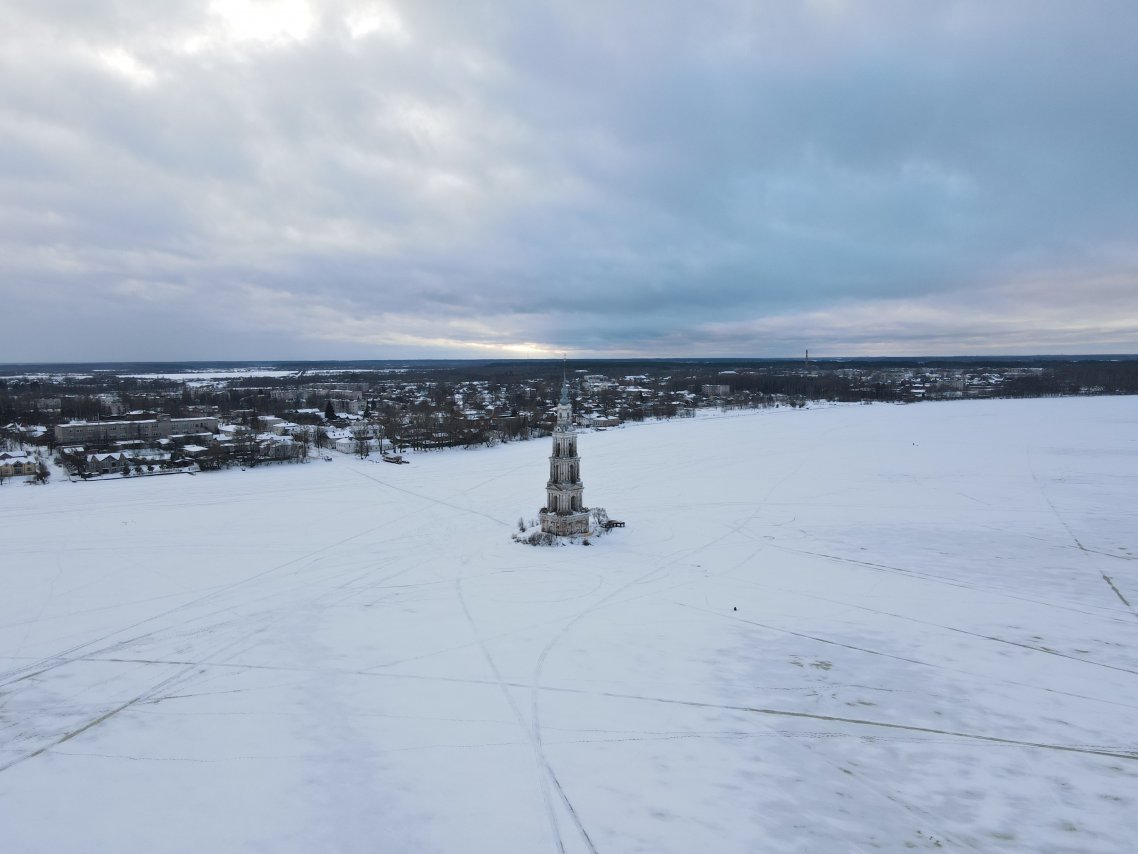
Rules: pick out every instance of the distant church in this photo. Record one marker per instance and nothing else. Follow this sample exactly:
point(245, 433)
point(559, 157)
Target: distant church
point(564, 513)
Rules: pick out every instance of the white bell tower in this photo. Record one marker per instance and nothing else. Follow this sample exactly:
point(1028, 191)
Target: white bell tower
point(564, 513)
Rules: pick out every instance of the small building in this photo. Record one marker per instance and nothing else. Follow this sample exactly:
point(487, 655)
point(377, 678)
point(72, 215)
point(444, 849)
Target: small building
point(15, 464)
point(602, 421)
point(107, 463)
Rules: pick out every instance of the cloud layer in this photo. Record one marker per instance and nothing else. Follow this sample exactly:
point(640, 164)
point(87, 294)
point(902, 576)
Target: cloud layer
point(293, 179)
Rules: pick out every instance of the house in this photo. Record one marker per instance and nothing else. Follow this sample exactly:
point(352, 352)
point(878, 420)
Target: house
point(107, 463)
point(270, 446)
point(602, 421)
point(15, 464)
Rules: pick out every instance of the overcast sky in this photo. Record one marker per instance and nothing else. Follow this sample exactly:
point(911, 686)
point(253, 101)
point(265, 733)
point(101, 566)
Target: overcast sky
point(247, 179)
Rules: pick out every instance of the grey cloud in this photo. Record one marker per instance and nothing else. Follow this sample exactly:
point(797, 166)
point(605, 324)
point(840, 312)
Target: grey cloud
point(597, 177)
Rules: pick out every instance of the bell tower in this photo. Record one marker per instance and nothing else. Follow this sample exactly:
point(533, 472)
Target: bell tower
point(564, 512)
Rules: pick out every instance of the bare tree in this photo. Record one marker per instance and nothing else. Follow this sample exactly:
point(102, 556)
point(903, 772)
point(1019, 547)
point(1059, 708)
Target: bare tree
point(303, 439)
point(362, 437)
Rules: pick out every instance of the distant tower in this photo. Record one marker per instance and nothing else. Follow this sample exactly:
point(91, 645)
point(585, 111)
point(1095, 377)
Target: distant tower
point(564, 512)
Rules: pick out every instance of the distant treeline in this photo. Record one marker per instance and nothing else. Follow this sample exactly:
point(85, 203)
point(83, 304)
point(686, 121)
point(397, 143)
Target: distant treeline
point(524, 389)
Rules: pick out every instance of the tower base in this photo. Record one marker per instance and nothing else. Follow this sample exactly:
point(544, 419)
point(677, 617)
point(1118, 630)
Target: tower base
point(565, 524)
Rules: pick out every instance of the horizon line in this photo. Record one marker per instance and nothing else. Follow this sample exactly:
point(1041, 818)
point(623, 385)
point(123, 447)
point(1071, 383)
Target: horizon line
point(553, 360)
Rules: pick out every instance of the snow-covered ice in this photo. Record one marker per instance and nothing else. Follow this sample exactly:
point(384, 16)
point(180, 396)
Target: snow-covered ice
point(840, 629)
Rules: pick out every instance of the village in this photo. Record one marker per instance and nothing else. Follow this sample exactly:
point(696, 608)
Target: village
point(113, 422)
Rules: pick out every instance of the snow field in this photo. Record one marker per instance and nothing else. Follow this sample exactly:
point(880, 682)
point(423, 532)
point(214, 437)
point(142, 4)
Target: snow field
point(848, 628)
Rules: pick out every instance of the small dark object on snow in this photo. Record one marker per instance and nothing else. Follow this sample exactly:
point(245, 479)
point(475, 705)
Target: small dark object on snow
point(612, 523)
point(734, 608)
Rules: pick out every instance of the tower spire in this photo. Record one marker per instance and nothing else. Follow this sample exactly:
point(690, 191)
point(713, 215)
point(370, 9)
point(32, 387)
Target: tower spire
point(564, 381)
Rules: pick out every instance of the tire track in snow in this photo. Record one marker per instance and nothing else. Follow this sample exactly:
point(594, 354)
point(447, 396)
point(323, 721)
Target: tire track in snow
point(535, 686)
point(1117, 592)
point(188, 668)
point(1128, 752)
point(176, 678)
point(899, 657)
point(1086, 552)
point(1120, 752)
point(943, 627)
point(545, 772)
point(257, 620)
point(936, 579)
point(68, 655)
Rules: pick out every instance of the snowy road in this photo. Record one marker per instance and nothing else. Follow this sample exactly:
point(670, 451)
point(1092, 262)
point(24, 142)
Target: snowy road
point(851, 628)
